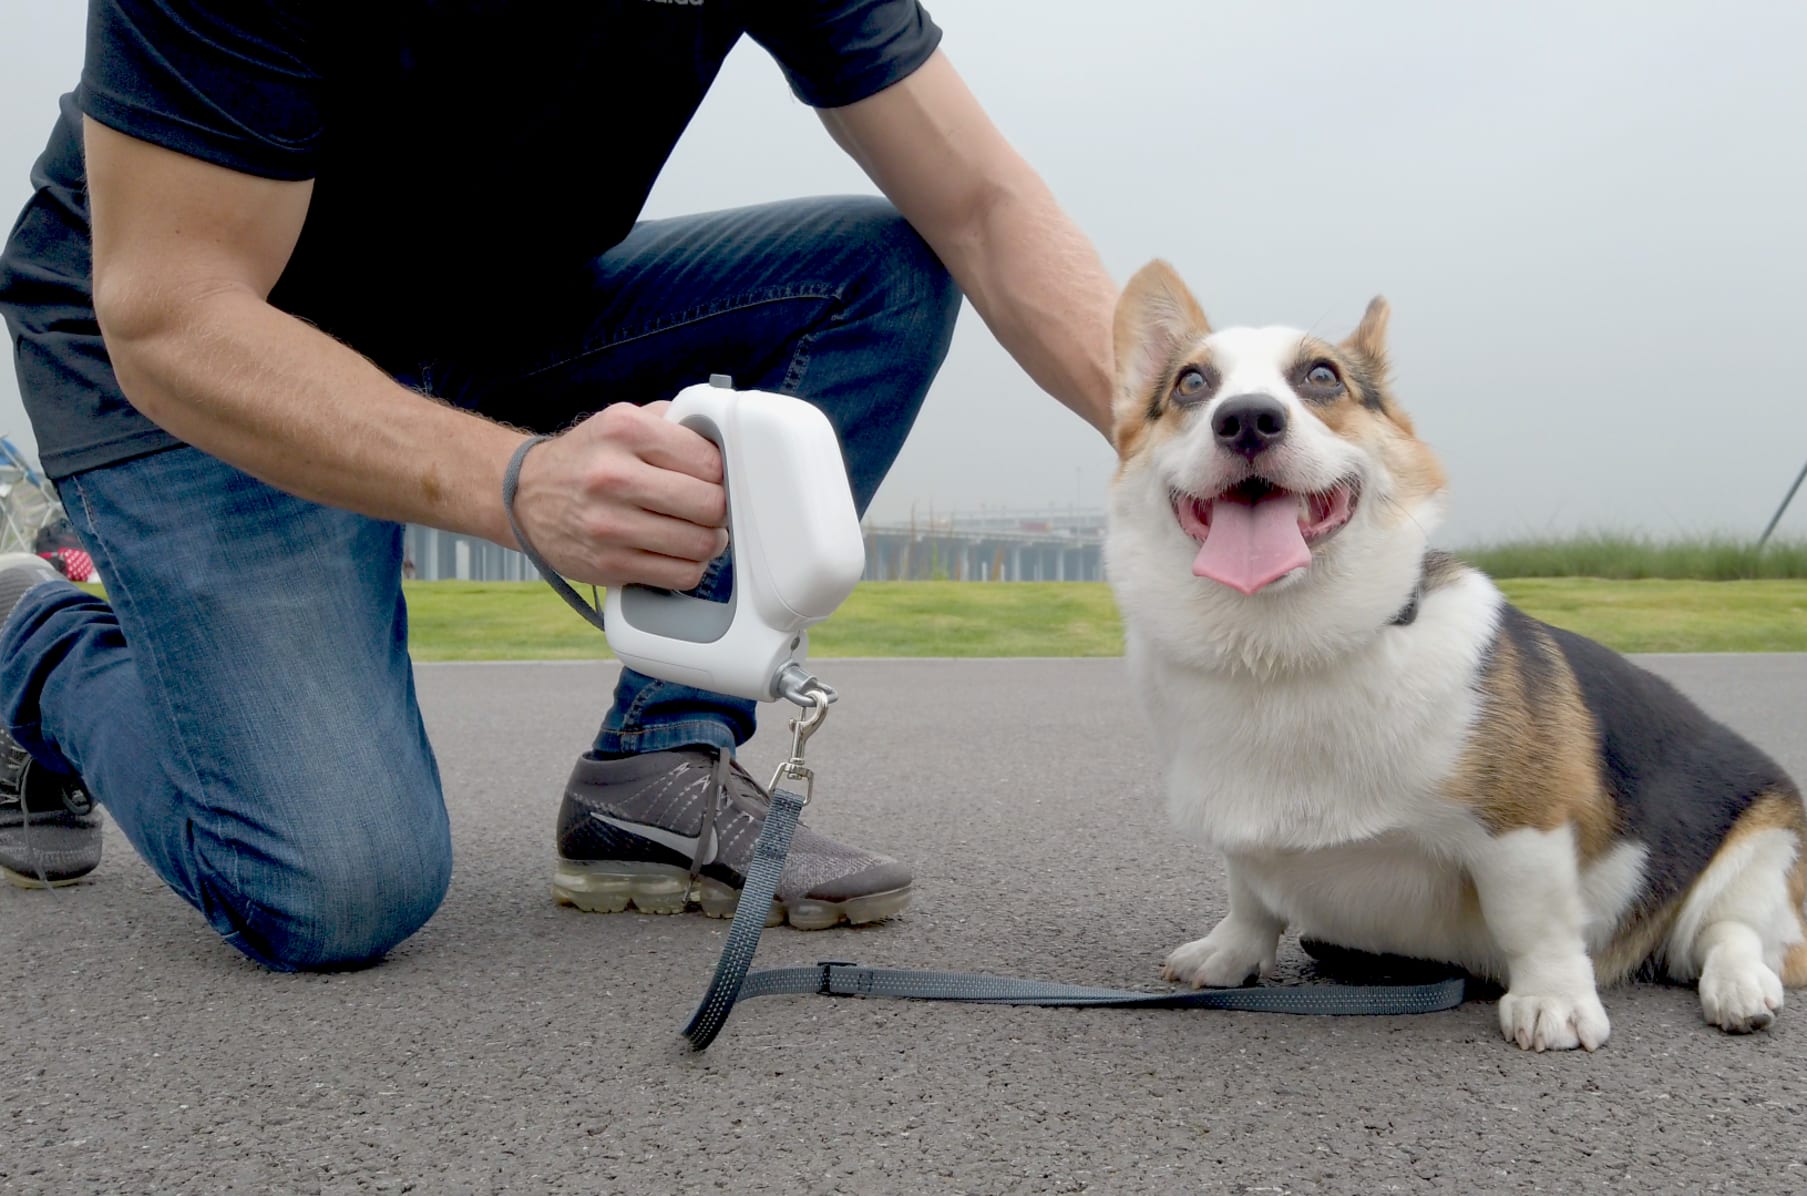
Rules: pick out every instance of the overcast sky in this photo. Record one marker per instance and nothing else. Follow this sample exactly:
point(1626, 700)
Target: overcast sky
point(1587, 216)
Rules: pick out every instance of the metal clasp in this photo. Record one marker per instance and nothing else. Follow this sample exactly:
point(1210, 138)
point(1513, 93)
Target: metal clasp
point(802, 727)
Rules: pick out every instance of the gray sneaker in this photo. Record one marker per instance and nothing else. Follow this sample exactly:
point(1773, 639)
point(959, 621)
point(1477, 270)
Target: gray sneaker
point(49, 830)
point(664, 830)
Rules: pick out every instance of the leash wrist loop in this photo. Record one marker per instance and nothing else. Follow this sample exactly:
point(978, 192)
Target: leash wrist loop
point(511, 482)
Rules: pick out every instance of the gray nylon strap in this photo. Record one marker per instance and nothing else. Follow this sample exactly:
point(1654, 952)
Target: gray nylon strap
point(769, 851)
point(837, 978)
point(511, 481)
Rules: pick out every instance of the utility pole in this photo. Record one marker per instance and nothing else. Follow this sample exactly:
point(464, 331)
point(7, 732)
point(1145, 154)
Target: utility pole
point(1777, 517)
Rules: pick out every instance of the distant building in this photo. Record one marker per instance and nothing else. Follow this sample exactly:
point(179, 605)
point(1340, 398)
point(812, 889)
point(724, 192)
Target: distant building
point(988, 545)
point(1000, 545)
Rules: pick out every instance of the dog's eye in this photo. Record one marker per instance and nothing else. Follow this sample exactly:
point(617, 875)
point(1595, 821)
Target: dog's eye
point(1189, 384)
point(1323, 375)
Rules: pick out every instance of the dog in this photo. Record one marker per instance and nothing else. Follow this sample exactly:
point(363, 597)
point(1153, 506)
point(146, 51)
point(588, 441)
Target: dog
point(1391, 757)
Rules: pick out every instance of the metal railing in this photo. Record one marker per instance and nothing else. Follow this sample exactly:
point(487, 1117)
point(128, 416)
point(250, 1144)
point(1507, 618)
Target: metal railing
point(988, 545)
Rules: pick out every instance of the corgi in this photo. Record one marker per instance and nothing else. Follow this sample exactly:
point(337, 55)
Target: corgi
point(1390, 757)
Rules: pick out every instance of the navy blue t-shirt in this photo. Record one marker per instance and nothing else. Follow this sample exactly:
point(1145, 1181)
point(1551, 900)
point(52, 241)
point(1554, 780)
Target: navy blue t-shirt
point(458, 148)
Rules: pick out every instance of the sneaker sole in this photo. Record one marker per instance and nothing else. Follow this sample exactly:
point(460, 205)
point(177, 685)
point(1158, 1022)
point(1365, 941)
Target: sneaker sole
point(25, 880)
point(621, 885)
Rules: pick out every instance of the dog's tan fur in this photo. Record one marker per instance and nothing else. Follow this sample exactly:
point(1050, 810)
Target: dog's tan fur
point(1533, 760)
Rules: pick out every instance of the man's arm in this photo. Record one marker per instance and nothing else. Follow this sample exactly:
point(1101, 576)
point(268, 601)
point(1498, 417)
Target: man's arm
point(185, 256)
point(1033, 276)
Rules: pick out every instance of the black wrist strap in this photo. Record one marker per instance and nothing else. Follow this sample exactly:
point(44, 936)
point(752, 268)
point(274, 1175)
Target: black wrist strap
point(511, 482)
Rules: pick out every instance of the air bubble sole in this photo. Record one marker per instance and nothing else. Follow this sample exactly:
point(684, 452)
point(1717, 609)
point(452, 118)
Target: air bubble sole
point(614, 886)
point(23, 880)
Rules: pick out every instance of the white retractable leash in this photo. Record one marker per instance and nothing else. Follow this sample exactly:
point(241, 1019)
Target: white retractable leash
point(798, 553)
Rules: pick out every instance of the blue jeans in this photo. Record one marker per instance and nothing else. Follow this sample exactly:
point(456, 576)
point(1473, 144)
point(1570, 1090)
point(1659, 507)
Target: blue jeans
point(243, 703)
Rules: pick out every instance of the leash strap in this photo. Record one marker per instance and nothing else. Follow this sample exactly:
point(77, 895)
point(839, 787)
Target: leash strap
point(756, 893)
point(835, 978)
point(732, 981)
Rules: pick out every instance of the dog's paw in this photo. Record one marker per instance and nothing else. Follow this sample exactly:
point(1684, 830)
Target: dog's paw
point(1229, 956)
point(1740, 996)
point(1554, 1021)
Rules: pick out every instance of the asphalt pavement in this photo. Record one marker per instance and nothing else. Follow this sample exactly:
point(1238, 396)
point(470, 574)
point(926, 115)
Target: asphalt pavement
point(513, 1045)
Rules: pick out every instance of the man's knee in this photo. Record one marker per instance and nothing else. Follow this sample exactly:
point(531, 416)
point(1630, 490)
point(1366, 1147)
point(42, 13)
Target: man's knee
point(907, 277)
point(348, 898)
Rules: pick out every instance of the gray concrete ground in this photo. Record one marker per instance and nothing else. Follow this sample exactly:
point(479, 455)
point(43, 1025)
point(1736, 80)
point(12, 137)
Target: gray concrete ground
point(517, 1046)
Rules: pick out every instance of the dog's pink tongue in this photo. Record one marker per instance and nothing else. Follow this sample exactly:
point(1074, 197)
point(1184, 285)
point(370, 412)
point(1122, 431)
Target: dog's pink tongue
point(1250, 546)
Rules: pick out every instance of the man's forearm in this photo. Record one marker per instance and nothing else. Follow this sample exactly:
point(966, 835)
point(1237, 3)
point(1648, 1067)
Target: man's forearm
point(1031, 274)
point(286, 403)
point(1041, 289)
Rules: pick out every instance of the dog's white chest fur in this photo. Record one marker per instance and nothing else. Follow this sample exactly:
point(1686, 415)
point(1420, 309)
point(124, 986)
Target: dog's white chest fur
point(1318, 757)
point(1387, 894)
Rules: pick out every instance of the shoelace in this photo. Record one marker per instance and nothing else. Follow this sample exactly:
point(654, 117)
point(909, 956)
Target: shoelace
point(712, 804)
point(722, 795)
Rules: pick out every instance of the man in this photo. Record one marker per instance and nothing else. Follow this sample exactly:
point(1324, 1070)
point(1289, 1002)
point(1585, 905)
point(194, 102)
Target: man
point(339, 260)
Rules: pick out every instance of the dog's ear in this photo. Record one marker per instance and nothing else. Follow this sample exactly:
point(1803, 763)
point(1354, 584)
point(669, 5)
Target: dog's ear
point(1369, 339)
point(1368, 345)
point(1157, 317)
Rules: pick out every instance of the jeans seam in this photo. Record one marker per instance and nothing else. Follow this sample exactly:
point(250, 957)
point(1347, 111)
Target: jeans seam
point(690, 731)
point(693, 315)
point(640, 703)
point(143, 652)
point(799, 364)
point(800, 355)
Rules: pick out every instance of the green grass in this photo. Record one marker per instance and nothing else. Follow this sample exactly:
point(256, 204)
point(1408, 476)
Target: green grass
point(453, 620)
point(458, 620)
point(1671, 616)
point(954, 618)
point(526, 621)
point(1634, 558)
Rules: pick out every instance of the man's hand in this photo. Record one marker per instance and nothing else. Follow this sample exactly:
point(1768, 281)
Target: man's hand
point(625, 496)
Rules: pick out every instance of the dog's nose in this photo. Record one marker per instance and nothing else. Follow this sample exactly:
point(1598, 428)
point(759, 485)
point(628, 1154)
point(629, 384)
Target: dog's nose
point(1249, 424)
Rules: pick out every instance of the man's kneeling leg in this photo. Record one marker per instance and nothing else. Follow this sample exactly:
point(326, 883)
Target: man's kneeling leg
point(242, 704)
